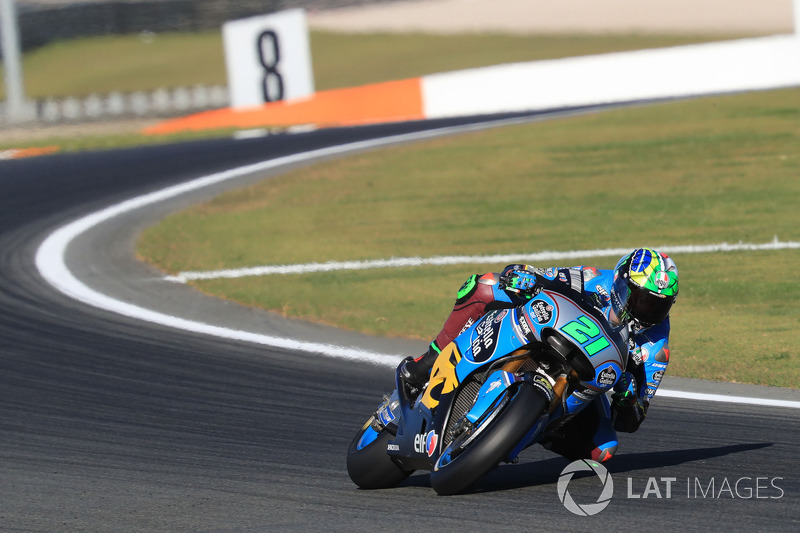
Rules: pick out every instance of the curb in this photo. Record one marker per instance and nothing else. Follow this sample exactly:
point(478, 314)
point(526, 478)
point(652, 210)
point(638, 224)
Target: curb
point(391, 101)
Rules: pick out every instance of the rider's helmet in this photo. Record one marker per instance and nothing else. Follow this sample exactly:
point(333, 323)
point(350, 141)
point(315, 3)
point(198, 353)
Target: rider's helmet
point(645, 287)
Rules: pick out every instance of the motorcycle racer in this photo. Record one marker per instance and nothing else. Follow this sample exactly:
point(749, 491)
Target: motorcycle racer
point(638, 294)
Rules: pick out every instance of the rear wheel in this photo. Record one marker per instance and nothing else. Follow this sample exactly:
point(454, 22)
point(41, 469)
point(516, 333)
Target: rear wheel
point(469, 457)
point(367, 462)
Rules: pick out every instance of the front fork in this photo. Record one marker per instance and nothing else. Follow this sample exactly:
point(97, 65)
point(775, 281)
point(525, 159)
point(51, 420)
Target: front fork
point(554, 388)
point(493, 390)
point(557, 384)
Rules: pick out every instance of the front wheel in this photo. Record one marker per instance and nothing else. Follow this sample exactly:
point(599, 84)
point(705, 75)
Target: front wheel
point(460, 465)
point(368, 464)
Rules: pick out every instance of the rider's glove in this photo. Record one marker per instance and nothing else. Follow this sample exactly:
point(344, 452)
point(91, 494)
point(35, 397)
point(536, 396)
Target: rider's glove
point(518, 279)
point(625, 391)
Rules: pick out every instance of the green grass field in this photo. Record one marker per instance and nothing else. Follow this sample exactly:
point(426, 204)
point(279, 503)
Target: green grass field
point(129, 63)
point(694, 172)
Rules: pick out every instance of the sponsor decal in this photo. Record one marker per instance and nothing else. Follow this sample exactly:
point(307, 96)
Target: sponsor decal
point(484, 339)
point(524, 326)
point(586, 394)
point(393, 448)
point(467, 325)
point(607, 377)
point(657, 376)
point(589, 273)
point(500, 316)
point(430, 443)
point(426, 442)
point(649, 391)
point(602, 292)
point(386, 416)
point(563, 277)
point(541, 311)
point(541, 383)
point(596, 300)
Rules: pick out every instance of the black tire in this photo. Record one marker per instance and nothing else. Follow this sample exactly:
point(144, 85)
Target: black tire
point(492, 445)
point(370, 467)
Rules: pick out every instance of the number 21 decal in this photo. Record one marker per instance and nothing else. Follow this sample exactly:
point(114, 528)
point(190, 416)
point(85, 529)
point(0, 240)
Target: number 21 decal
point(584, 330)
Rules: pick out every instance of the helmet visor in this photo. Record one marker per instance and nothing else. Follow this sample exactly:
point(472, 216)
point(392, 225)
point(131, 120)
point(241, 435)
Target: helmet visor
point(648, 307)
point(619, 299)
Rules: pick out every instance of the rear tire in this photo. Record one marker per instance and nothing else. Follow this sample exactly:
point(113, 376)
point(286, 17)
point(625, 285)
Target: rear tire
point(368, 464)
point(457, 473)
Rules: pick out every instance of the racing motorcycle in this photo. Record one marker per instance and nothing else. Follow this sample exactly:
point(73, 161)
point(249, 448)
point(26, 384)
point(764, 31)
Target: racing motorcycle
point(505, 383)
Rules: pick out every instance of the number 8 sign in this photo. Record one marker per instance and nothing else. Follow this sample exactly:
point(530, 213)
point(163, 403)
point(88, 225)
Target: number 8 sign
point(269, 55)
point(268, 58)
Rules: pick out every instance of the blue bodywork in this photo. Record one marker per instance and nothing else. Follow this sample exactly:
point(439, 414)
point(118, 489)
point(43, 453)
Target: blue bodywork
point(558, 309)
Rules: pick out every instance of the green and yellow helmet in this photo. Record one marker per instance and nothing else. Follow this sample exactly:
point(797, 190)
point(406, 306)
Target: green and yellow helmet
point(645, 287)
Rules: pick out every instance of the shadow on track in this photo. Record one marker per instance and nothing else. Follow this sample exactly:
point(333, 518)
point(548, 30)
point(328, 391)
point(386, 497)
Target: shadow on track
point(642, 461)
point(546, 472)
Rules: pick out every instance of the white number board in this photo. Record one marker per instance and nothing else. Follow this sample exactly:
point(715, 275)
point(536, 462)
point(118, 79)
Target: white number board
point(268, 58)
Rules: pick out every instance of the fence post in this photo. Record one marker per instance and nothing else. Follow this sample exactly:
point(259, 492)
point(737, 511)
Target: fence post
point(797, 18)
point(15, 91)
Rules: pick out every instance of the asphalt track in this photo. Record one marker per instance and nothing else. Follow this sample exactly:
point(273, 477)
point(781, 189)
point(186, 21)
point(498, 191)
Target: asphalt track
point(109, 423)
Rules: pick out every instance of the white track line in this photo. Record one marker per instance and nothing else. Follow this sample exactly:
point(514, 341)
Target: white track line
point(51, 262)
point(51, 254)
point(702, 397)
point(532, 258)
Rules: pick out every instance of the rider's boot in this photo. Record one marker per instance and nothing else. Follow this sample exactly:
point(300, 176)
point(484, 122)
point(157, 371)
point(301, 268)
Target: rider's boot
point(414, 372)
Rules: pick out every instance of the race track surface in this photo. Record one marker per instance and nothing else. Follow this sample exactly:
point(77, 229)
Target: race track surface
point(113, 424)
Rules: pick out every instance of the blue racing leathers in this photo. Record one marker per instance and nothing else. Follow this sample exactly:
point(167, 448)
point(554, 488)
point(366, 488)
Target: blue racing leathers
point(649, 356)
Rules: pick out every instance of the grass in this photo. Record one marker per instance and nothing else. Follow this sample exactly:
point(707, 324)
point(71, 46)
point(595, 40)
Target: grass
point(79, 67)
point(129, 63)
point(343, 60)
point(704, 171)
point(144, 62)
point(694, 172)
point(102, 65)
